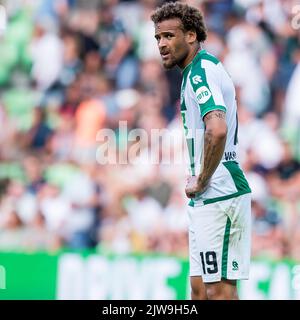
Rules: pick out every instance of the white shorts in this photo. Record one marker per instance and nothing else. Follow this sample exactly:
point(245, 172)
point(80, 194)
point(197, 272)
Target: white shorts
point(220, 239)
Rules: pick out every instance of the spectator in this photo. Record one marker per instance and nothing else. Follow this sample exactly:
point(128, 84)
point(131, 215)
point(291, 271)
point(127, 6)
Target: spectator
point(116, 48)
point(46, 50)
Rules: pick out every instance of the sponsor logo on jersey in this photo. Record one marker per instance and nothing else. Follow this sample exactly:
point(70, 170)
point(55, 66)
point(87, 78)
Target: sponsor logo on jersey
point(230, 155)
point(203, 94)
point(235, 265)
point(197, 79)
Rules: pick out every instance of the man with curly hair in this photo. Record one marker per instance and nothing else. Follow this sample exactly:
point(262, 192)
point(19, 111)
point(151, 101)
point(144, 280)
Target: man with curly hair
point(220, 206)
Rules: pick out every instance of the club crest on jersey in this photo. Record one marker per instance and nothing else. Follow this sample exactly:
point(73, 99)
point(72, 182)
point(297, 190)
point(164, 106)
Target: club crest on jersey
point(203, 94)
point(196, 79)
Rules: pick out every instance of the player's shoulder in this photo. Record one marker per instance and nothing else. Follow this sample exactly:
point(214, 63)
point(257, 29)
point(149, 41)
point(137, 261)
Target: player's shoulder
point(205, 61)
point(205, 65)
point(206, 57)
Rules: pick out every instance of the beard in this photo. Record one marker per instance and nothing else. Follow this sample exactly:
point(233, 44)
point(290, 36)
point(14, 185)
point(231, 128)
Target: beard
point(169, 63)
point(174, 59)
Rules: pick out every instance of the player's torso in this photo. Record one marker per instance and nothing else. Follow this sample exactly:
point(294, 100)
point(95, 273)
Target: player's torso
point(206, 86)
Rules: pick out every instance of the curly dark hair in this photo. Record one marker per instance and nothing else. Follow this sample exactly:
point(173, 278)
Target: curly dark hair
point(190, 17)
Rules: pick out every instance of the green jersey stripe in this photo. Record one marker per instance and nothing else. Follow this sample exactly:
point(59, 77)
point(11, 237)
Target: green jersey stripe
point(237, 175)
point(191, 148)
point(192, 203)
point(223, 198)
point(185, 74)
point(239, 180)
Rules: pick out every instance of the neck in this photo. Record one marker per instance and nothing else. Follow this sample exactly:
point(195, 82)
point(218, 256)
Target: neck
point(190, 56)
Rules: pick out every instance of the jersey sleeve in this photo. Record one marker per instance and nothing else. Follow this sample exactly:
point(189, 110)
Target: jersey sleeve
point(207, 89)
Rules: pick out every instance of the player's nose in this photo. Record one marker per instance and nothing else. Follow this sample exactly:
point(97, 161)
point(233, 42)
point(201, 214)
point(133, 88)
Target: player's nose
point(161, 45)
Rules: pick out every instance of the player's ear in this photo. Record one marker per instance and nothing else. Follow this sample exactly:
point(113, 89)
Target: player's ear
point(191, 36)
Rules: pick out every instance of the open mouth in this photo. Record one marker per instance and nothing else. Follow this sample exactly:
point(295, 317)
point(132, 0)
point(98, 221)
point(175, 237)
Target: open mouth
point(165, 56)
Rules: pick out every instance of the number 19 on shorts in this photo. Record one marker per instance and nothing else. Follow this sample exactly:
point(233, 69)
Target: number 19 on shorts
point(209, 262)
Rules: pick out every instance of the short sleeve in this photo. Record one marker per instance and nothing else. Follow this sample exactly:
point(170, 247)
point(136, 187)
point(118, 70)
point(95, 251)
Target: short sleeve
point(207, 88)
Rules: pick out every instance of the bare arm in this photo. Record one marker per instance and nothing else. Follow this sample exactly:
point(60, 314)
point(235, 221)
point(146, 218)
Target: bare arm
point(214, 145)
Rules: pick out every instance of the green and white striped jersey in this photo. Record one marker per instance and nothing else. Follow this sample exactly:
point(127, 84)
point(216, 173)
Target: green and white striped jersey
point(206, 86)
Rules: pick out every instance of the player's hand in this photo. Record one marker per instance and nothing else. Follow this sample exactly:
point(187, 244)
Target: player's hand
point(193, 187)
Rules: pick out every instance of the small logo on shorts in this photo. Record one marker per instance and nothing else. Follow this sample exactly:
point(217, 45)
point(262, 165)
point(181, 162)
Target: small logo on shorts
point(235, 265)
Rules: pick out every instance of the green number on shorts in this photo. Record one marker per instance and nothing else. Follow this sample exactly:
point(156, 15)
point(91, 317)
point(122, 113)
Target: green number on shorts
point(210, 261)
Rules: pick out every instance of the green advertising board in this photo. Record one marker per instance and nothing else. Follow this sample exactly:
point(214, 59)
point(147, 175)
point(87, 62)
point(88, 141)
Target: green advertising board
point(96, 276)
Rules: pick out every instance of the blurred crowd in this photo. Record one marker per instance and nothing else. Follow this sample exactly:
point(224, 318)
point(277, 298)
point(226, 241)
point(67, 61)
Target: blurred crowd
point(71, 69)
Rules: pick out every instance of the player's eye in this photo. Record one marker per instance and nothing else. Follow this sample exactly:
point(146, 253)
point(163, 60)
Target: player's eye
point(169, 36)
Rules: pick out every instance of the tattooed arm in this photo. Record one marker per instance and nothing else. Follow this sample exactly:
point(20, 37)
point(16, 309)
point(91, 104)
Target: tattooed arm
point(214, 145)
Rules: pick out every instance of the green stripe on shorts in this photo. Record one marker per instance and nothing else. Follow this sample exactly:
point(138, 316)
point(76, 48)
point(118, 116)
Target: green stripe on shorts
point(225, 248)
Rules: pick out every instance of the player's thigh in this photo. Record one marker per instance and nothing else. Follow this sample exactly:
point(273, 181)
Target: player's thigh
point(198, 289)
point(207, 223)
point(222, 290)
point(194, 258)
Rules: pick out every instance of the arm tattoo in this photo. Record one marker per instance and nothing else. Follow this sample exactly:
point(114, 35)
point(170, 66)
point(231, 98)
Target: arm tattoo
point(215, 114)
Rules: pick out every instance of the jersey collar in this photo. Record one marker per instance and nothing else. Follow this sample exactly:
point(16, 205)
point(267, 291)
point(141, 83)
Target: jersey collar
point(196, 58)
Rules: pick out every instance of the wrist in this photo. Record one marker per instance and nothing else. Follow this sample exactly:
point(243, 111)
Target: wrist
point(202, 181)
